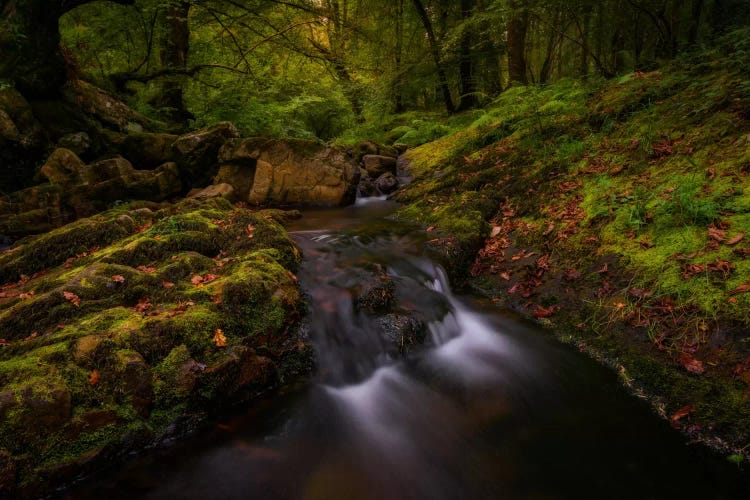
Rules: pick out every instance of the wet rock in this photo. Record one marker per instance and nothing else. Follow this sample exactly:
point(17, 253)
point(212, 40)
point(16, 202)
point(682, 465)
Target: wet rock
point(387, 183)
point(216, 191)
point(377, 165)
point(293, 172)
point(403, 333)
point(77, 142)
point(197, 152)
point(148, 151)
point(367, 186)
point(105, 107)
point(378, 296)
point(85, 348)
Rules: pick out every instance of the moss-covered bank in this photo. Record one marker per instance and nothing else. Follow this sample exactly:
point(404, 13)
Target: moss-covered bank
point(617, 214)
point(133, 326)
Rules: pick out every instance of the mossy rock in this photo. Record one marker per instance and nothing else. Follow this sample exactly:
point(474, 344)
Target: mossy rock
point(117, 326)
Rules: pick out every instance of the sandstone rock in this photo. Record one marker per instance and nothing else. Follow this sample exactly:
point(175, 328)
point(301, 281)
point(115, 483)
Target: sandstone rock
point(63, 167)
point(294, 172)
point(148, 151)
point(215, 191)
point(197, 152)
point(377, 165)
point(241, 177)
point(387, 183)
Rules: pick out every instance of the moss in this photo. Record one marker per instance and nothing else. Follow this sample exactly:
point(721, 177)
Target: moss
point(135, 318)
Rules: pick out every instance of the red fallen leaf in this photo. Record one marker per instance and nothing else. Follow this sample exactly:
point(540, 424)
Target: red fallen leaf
point(143, 305)
point(683, 412)
point(604, 269)
point(216, 299)
point(208, 278)
point(710, 173)
point(147, 269)
point(732, 300)
point(572, 275)
point(514, 288)
point(250, 231)
point(716, 234)
point(505, 276)
point(94, 378)
point(196, 280)
point(72, 298)
point(4, 342)
point(690, 270)
point(167, 284)
point(691, 364)
point(27, 295)
point(431, 228)
point(743, 288)
point(219, 338)
point(736, 239)
point(118, 279)
point(144, 227)
point(549, 230)
point(543, 262)
point(495, 231)
point(30, 337)
point(541, 312)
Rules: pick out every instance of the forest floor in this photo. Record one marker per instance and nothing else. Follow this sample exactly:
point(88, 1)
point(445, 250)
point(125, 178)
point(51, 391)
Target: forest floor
point(617, 214)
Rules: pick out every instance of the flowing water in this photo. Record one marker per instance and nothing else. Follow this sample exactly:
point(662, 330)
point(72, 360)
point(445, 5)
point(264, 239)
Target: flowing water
point(489, 407)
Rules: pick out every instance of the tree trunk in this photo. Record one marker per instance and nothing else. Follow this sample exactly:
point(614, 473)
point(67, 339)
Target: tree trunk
point(695, 21)
point(398, 80)
point(435, 51)
point(175, 46)
point(467, 80)
point(518, 25)
point(30, 44)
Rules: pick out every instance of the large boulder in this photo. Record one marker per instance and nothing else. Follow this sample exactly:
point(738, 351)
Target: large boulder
point(295, 172)
point(387, 183)
point(197, 152)
point(63, 168)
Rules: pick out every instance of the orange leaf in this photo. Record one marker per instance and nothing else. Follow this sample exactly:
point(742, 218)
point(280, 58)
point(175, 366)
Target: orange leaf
point(94, 378)
point(147, 269)
point(72, 298)
point(167, 284)
point(250, 231)
point(683, 412)
point(219, 338)
point(736, 239)
point(26, 296)
point(743, 288)
point(118, 279)
point(541, 312)
point(208, 278)
point(196, 280)
point(691, 364)
point(143, 305)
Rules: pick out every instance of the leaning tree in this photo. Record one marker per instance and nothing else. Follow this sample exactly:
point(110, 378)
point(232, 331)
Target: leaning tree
point(30, 54)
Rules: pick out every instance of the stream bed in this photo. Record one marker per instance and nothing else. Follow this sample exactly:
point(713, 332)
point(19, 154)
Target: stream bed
point(488, 406)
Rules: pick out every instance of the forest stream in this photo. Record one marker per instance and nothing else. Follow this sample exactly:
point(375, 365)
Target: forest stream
point(488, 407)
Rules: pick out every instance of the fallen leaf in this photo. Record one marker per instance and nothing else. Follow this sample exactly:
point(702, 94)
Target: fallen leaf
point(146, 269)
point(118, 279)
point(208, 278)
point(541, 312)
point(94, 378)
point(736, 239)
point(505, 276)
point(250, 231)
point(683, 412)
point(691, 364)
point(72, 298)
point(716, 234)
point(196, 280)
point(167, 284)
point(604, 269)
point(27, 295)
point(143, 305)
point(219, 338)
point(743, 288)
point(30, 337)
point(431, 228)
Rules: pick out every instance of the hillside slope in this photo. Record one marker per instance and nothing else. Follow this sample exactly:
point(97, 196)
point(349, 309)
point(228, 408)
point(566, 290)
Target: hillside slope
point(618, 214)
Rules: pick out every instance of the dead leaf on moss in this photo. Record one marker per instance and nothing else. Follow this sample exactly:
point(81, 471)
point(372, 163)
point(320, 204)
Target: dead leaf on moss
point(72, 298)
point(736, 239)
point(219, 338)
